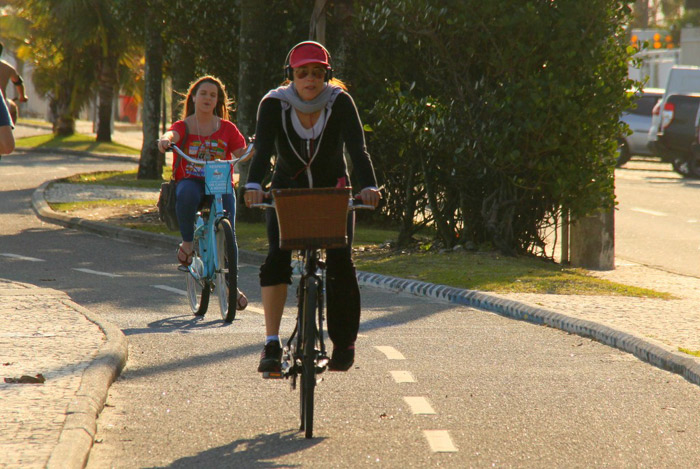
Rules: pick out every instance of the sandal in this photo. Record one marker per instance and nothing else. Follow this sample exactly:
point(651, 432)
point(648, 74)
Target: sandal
point(183, 257)
point(241, 302)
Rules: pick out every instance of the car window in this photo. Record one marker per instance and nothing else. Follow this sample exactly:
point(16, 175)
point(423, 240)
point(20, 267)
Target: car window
point(645, 104)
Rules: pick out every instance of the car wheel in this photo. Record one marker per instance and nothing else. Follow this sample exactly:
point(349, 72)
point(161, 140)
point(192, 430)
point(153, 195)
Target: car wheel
point(623, 153)
point(694, 166)
point(681, 166)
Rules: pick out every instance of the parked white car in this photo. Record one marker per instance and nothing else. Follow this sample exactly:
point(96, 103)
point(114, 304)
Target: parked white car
point(639, 119)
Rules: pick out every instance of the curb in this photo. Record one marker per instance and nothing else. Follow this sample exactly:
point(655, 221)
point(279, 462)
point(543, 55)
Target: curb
point(80, 425)
point(655, 354)
point(79, 429)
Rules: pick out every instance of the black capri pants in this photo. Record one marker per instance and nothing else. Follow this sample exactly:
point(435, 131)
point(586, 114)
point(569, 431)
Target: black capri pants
point(342, 289)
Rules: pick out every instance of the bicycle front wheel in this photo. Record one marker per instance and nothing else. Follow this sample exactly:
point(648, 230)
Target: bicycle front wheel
point(198, 288)
point(227, 271)
point(308, 347)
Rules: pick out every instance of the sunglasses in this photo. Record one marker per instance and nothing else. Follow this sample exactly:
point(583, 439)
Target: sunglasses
point(317, 72)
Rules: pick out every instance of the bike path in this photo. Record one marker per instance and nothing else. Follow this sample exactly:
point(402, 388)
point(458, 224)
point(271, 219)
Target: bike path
point(79, 354)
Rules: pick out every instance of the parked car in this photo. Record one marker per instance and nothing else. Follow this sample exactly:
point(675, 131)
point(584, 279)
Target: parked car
point(681, 80)
point(638, 118)
point(678, 133)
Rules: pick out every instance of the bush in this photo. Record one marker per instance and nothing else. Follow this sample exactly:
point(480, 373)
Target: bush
point(491, 118)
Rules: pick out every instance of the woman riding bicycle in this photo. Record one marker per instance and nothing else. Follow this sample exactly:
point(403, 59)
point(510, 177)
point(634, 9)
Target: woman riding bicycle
point(306, 123)
point(208, 135)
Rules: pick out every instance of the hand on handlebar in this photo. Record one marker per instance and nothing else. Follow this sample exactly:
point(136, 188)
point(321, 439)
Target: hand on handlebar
point(164, 144)
point(370, 196)
point(253, 196)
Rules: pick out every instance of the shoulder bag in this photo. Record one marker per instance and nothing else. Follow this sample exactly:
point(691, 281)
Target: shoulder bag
point(166, 200)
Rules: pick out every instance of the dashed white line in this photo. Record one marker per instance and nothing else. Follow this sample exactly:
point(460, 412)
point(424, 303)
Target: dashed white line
point(253, 309)
point(170, 289)
point(440, 441)
point(401, 376)
point(649, 212)
point(97, 272)
point(419, 405)
point(390, 352)
point(21, 258)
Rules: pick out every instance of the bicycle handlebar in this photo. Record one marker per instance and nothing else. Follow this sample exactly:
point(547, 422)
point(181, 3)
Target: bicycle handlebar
point(232, 162)
point(353, 204)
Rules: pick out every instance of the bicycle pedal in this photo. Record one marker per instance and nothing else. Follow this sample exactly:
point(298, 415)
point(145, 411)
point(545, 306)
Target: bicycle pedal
point(272, 375)
point(322, 365)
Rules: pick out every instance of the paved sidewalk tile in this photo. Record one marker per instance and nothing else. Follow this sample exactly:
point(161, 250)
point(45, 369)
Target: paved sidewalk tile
point(41, 332)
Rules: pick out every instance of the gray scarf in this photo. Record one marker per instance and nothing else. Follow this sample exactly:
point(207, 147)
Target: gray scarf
point(288, 94)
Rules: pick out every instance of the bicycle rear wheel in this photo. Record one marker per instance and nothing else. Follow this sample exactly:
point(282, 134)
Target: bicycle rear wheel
point(227, 271)
point(307, 345)
point(198, 288)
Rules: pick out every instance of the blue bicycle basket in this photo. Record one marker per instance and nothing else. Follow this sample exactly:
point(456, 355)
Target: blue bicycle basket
point(218, 178)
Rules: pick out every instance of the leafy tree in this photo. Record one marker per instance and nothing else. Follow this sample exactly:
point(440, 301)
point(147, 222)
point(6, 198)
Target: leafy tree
point(76, 46)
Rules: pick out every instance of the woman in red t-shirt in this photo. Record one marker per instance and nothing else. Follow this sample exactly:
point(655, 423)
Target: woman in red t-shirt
point(208, 135)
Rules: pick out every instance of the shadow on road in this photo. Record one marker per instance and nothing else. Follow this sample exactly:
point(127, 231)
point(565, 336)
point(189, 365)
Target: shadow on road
point(255, 452)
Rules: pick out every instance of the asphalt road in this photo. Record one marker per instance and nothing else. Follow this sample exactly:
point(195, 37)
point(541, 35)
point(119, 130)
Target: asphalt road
point(434, 384)
point(658, 218)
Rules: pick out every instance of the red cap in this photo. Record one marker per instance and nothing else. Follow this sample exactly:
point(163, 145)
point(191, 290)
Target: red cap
point(308, 53)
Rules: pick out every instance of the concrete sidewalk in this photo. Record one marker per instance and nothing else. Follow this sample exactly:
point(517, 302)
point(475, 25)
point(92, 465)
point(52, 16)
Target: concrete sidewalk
point(58, 361)
point(79, 354)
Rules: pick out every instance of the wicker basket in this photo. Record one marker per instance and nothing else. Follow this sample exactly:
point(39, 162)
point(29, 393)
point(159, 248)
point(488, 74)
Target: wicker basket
point(312, 218)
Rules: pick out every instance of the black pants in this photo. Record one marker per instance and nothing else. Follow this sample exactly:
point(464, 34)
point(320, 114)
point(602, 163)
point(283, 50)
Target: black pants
point(342, 289)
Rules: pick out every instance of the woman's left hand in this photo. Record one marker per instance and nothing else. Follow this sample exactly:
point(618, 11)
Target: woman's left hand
point(370, 196)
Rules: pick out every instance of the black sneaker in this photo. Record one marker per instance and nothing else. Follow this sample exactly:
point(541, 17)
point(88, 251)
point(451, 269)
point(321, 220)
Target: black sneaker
point(342, 358)
point(271, 357)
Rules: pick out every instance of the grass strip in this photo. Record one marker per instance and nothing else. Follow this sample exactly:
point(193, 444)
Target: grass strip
point(483, 271)
point(75, 142)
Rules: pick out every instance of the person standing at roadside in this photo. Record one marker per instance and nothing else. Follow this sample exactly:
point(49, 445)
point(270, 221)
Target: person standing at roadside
point(9, 73)
point(7, 136)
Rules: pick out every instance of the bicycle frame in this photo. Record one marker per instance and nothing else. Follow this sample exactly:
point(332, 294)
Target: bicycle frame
point(206, 223)
point(312, 266)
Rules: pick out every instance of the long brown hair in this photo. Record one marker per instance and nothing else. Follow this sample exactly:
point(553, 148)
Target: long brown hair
point(223, 103)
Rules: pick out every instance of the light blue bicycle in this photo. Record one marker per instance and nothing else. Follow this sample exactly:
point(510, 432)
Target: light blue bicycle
point(214, 267)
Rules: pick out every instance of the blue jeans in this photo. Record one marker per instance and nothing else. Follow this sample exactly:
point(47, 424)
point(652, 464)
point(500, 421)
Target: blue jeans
point(189, 197)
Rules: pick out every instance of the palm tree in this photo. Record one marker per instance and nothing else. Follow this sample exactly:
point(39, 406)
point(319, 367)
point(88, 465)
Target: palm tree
point(75, 44)
point(94, 25)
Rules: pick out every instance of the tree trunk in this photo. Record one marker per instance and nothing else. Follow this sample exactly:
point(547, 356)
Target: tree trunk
point(64, 125)
point(64, 122)
point(151, 162)
point(251, 47)
point(182, 74)
point(407, 224)
point(641, 14)
point(107, 84)
point(442, 222)
point(317, 25)
point(341, 26)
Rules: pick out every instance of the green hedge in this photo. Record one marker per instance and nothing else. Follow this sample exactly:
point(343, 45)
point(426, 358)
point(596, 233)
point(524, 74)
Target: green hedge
point(490, 118)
